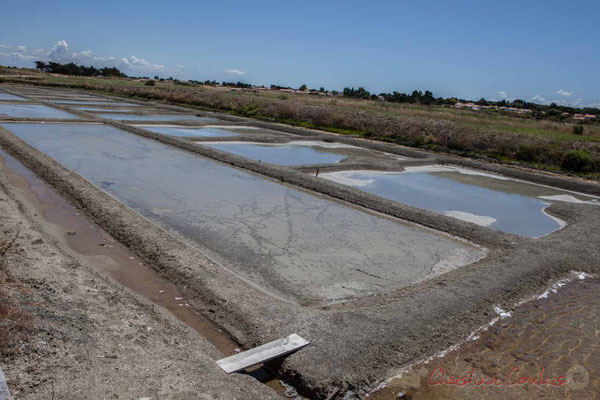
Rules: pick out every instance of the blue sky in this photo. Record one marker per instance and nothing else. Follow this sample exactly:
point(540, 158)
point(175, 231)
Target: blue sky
point(543, 50)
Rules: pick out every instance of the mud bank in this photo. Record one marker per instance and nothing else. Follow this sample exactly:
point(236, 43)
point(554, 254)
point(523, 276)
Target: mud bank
point(359, 342)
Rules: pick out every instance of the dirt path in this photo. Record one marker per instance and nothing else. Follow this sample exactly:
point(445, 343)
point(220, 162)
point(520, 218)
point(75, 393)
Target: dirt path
point(92, 338)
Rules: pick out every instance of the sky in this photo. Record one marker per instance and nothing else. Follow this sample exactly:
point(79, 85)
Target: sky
point(541, 51)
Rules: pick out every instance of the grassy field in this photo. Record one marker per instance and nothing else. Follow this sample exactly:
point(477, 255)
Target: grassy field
point(486, 134)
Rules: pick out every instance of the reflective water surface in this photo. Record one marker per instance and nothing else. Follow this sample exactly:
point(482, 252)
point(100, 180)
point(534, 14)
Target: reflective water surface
point(33, 111)
point(189, 132)
point(292, 153)
point(496, 202)
point(156, 117)
point(6, 96)
point(94, 102)
point(294, 244)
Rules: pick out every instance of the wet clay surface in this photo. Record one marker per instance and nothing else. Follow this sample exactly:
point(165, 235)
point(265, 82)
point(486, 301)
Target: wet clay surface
point(557, 337)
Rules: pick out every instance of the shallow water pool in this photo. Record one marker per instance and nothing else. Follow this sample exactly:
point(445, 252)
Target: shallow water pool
point(6, 96)
point(489, 200)
point(189, 132)
point(94, 103)
point(33, 111)
point(156, 117)
point(293, 244)
point(295, 152)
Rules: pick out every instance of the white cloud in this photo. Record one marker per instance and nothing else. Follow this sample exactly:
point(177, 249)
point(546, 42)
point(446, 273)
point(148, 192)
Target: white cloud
point(59, 50)
point(564, 93)
point(85, 54)
point(22, 56)
point(502, 94)
point(538, 98)
point(141, 64)
point(235, 72)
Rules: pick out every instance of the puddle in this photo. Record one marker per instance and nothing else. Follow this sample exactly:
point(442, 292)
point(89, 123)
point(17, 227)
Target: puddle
point(100, 103)
point(292, 244)
point(156, 117)
point(489, 200)
point(114, 259)
point(295, 152)
point(6, 96)
point(189, 132)
point(32, 111)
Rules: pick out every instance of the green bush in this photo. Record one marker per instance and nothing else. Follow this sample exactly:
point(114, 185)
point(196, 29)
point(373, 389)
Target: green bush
point(150, 83)
point(527, 153)
point(577, 130)
point(577, 161)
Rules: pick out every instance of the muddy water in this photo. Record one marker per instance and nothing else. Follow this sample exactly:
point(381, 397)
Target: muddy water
point(292, 244)
point(189, 132)
point(87, 239)
point(555, 337)
point(295, 152)
point(156, 117)
point(32, 111)
point(493, 201)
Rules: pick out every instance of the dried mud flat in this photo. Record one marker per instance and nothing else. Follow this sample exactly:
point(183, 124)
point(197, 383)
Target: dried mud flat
point(91, 338)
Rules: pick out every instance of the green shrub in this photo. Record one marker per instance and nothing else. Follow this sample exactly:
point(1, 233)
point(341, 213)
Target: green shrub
point(577, 130)
point(527, 153)
point(150, 83)
point(577, 161)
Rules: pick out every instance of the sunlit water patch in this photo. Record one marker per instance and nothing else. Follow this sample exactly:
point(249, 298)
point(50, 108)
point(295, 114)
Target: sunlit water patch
point(485, 199)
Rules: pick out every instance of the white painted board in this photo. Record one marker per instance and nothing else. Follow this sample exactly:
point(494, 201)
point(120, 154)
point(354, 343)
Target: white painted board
point(261, 354)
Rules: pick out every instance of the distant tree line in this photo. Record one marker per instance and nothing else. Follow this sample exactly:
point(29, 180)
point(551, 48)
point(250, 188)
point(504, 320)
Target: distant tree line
point(539, 111)
point(78, 70)
point(240, 85)
point(552, 111)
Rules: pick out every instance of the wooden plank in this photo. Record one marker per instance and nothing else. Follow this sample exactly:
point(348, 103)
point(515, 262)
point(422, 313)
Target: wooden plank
point(261, 354)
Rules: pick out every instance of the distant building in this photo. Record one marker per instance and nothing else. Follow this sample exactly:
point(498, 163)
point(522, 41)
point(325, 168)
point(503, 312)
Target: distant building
point(584, 117)
point(470, 106)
